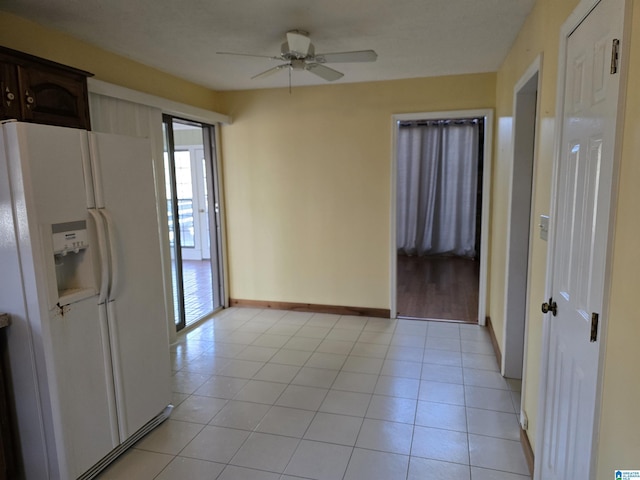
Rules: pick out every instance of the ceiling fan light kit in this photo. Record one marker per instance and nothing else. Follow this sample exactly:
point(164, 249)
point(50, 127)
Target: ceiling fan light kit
point(298, 53)
point(298, 45)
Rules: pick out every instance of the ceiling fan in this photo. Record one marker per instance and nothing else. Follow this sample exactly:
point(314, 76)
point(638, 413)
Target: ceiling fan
point(298, 53)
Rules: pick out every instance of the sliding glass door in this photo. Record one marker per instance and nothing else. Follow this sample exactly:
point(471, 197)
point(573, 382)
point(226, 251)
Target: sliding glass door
point(193, 215)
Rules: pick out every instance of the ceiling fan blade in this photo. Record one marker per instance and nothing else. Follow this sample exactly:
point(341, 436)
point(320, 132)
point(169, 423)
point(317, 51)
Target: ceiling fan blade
point(298, 42)
point(249, 55)
point(345, 57)
point(270, 72)
point(329, 74)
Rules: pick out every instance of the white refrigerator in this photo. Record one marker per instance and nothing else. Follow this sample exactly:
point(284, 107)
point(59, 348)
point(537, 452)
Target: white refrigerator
point(81, 277)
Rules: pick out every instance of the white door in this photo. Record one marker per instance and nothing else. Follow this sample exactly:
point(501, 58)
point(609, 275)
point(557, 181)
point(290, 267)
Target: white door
point(186, 174)
point(583, 199)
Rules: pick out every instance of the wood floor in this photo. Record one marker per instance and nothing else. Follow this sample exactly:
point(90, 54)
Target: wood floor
point(444, 288)
point(197, 290)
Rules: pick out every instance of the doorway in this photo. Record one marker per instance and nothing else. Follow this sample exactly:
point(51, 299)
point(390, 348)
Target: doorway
point(193, 219)
point(520, 221)
point(441, 276)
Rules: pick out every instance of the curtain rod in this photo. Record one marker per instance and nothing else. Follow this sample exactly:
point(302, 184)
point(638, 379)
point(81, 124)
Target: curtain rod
point(449, 121)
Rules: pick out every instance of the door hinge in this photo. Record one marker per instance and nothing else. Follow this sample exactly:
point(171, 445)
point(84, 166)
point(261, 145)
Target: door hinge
point(594, 326)
point(615, 55)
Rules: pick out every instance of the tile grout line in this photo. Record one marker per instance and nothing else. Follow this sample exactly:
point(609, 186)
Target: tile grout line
point(464, 398)
point(348, 355)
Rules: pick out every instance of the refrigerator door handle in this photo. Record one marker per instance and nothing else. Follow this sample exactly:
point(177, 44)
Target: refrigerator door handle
point(104, 254)
point(113, 250)
point(95, 169)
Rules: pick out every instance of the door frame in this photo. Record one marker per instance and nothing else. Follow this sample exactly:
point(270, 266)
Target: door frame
point(177, 288)
point(516, 310)
point(217, 232)
point(487, 115)
point(217, 245)
point(203, 172)
point(579, 14)
point(218, 176)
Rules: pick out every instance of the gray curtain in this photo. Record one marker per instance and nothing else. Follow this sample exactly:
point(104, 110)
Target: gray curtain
point(437, 187)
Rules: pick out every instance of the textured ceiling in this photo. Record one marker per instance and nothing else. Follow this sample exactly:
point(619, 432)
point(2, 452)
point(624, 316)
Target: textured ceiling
point(413, 38)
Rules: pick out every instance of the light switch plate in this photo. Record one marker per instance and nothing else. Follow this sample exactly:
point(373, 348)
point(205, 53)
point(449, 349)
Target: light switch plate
point(544, 227)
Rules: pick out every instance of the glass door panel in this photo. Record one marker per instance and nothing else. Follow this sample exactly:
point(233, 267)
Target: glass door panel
point(191, 156)
point(184, 191)
point(174, 241)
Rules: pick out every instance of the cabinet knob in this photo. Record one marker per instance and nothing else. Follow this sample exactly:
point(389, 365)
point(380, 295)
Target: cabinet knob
point(9, 96)
point(29, 99)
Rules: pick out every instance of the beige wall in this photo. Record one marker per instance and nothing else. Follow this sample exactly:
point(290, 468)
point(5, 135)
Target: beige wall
point(619, 442)
point(539, 35)
point(619, 445)
point(29, 37)
point(307, 181)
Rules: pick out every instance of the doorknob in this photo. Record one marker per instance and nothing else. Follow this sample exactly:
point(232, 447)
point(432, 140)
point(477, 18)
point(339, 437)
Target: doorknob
point(550, 306)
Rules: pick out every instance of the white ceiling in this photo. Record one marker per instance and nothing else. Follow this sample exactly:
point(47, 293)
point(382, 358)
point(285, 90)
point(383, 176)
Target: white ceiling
point(413, 38)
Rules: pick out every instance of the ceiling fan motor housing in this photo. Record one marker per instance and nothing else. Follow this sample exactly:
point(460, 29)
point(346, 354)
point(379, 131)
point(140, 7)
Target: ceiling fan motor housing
point(298, 64)
point(288, 54)
point(297, 46)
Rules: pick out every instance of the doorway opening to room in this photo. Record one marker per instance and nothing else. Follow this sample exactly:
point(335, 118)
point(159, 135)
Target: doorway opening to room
point(193, 218)
point(519, 236)
point(440, 213)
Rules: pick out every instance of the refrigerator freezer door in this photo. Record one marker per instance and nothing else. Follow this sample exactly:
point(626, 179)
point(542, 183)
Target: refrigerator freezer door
point(125, 190)
point(59, 355)
point(19, 345)
point(47, 173)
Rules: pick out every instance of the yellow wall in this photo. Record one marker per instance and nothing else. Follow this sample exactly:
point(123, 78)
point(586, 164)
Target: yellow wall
point(539, 35)
point(307, 181)
point(29, 37)
point(619, 441)
point(619, 445)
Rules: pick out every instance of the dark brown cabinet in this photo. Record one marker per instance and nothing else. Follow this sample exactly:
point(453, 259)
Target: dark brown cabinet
point(10, 107)
point(41, 91)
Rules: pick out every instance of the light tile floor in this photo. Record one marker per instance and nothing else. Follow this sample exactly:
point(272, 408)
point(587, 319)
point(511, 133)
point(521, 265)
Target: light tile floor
point(275, 395)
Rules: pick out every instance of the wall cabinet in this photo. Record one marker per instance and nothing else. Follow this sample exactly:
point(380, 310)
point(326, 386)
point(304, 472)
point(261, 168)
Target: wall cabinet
point(41, 91)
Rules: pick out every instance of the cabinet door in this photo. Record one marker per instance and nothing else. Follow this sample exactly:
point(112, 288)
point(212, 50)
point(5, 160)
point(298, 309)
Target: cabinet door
point(54, 98)
point(9, 92)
